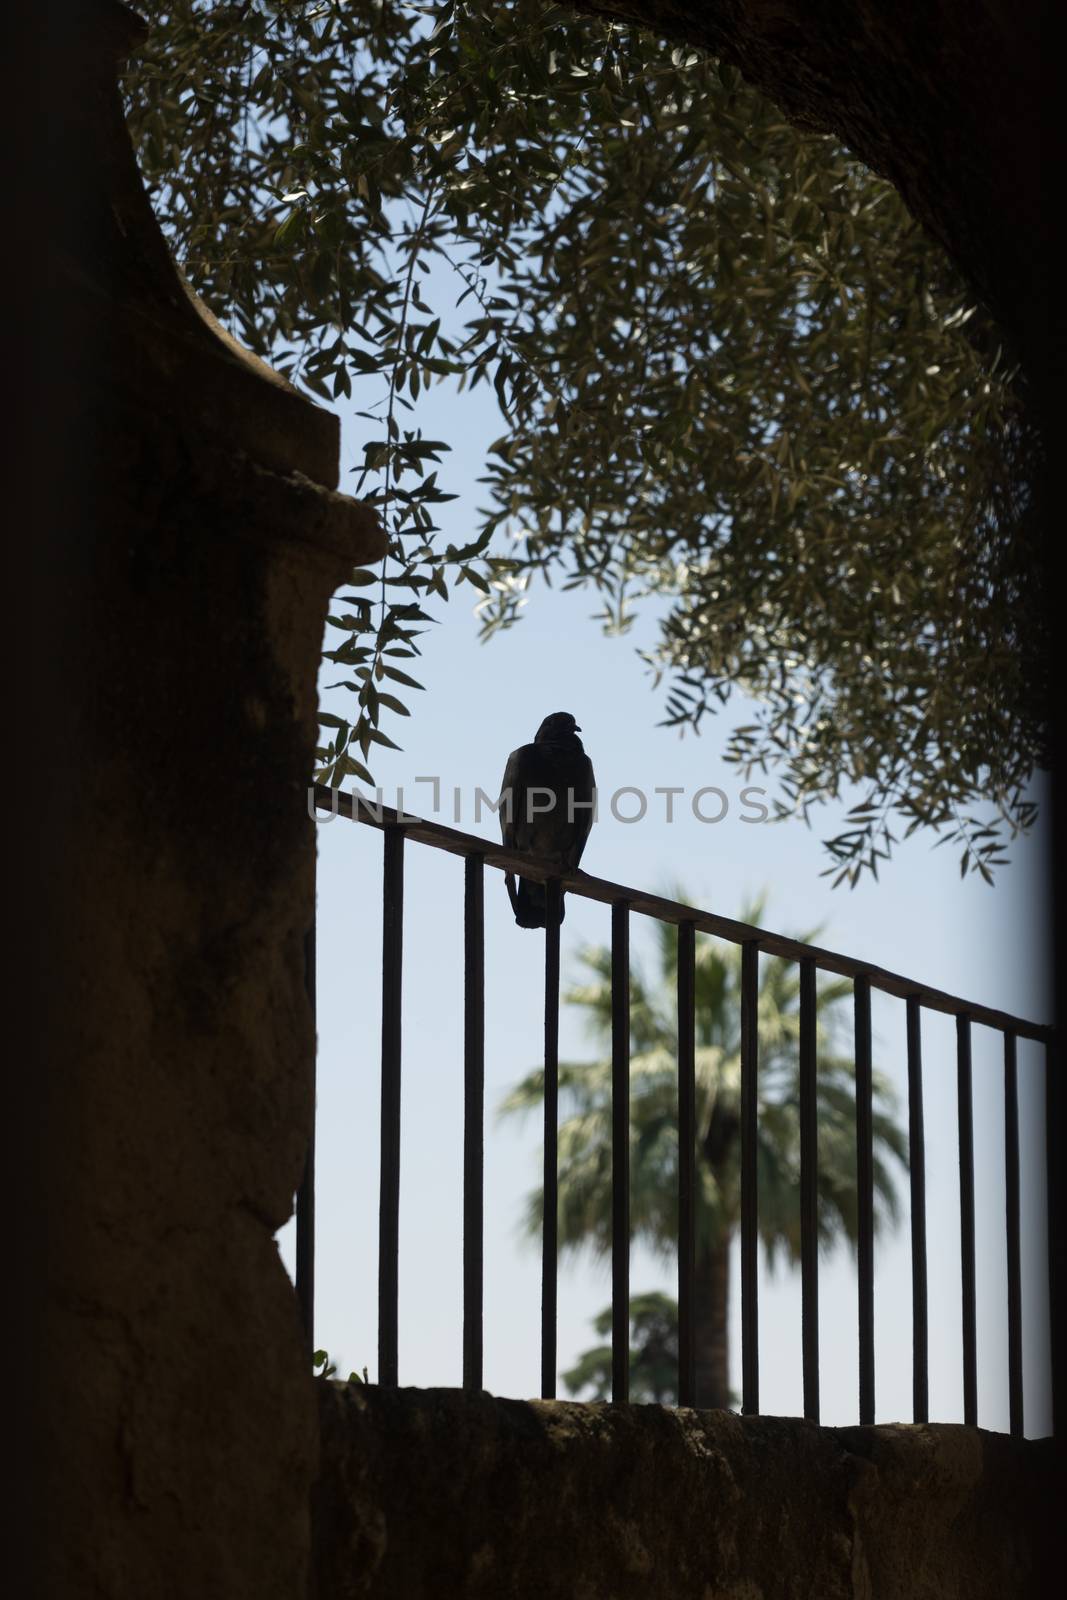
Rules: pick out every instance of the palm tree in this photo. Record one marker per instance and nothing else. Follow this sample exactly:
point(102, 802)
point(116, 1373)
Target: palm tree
point(585, 1132)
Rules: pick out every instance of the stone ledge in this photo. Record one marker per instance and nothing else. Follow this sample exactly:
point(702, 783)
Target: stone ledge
point(141, 329)
point(433, 1494)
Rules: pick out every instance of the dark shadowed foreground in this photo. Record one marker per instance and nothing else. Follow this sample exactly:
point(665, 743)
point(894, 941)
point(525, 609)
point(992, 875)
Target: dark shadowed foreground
point(425, 1493)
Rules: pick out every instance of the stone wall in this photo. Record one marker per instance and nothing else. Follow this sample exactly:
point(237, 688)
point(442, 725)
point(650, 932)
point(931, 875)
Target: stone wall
point(195, 540)
point(428, 1494)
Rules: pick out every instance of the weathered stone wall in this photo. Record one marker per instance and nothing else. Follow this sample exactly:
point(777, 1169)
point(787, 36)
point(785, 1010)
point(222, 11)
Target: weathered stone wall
point(428, 1494)
point(195, 541)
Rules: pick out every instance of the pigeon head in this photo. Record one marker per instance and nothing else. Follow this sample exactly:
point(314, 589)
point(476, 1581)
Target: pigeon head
point(555, 729)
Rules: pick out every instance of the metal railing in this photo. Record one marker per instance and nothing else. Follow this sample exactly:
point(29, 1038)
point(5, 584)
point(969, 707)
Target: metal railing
point(481, 853)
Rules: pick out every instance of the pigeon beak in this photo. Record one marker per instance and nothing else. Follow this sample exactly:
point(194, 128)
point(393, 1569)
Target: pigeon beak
point(576, 728)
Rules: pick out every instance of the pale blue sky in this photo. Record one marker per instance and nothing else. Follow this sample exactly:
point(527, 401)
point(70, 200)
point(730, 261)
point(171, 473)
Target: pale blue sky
point(921, 920)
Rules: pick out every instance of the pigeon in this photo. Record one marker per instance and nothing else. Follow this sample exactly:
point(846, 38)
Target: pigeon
point(546, 807)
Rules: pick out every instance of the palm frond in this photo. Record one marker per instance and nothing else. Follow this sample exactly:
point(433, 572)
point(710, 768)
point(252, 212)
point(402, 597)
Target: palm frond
point(585, 1101)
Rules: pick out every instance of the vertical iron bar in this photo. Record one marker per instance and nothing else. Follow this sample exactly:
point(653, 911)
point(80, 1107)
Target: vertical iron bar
point(965, 1119)
point(389, 1204)
point(620, 1151)
point(917, 1163)
point(865, 1193)
point(686, 1159)
point(1054, 1225)
point(749, 1188)
point(473, 1118)
point(550, 1191)
point(1011, 1219)
point(305, 1200)
point(809, 1192)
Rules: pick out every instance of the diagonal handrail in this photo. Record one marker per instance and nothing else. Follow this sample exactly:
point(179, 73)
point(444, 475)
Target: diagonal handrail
point(358, 808)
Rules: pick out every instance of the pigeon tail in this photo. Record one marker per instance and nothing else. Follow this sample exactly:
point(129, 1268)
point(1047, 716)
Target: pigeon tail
point(529, 903)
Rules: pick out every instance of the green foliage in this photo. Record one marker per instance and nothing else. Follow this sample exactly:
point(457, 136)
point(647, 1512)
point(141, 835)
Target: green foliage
point(585, 1096)
point(653, 1354)
point(323, 1367)
point(735, 377)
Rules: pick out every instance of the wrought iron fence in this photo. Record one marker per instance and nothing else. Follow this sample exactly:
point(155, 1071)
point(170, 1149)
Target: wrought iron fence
point(481, 853)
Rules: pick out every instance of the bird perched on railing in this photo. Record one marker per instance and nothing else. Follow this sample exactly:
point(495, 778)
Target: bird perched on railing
point(546, 807)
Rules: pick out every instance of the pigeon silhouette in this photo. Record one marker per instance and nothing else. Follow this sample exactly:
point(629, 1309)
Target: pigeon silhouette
point(546, 808)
